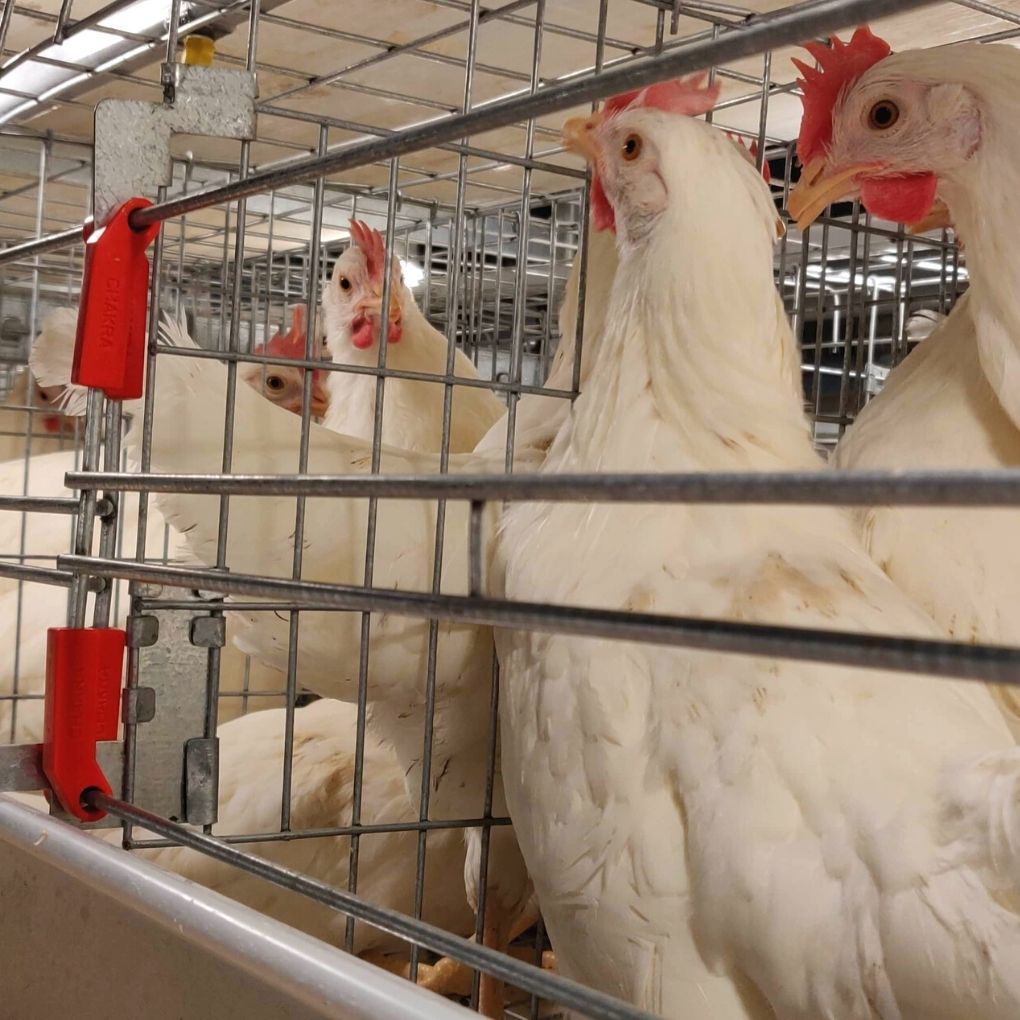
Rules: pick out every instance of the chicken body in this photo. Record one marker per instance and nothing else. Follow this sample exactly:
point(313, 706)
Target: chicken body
point(412, 410)
point(732, 836)
point(953, 402)
point(938, 411)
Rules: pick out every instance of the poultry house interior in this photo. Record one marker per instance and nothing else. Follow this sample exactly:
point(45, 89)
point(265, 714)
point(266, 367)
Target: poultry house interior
point(615, 616)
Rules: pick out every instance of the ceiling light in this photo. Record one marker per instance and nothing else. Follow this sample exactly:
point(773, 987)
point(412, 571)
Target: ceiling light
point(88, 51)
point(413, 273)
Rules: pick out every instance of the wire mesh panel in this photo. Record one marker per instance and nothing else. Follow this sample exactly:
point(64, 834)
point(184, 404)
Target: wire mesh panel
point(399, 256)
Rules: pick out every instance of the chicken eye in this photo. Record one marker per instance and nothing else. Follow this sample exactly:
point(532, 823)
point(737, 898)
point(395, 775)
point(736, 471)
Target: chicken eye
point(274, 382)
point(345, 284)
point(632, 147)
point(883, 115)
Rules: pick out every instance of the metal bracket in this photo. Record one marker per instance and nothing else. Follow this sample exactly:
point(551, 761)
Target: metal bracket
point(201, 779)
point(132, 138)
point(175, 766)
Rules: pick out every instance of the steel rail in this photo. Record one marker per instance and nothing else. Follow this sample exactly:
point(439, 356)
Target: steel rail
point(993, 663)
point(37, 575)
point(821, 488)
point(39, 504)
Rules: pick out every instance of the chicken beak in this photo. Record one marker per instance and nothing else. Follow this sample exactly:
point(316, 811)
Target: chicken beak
point(369, 306)
point(818, 187)
point(578, 136)
point(320, 398)
point(938, 218)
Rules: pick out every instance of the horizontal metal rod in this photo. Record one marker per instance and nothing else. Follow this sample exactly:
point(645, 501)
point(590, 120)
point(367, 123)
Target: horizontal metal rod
point(522, 975)
point(52, 242)
point(40, 504)
point(439, 379)
point(39, 575)
point(826, 488)
point(439, 825)
point(871, 651)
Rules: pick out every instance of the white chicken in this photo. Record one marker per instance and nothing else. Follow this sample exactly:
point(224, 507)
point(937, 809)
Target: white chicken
point(412, 409)
point(322, 797)
point(903, 131)
point(729, 836)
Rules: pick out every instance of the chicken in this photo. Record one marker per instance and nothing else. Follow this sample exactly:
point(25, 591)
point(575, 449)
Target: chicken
point(412, 410)
point(750, 152)
point(322, 790)
point(904, 131)
point(538, 418)
point(724, 835)
point(282, 384)
point(47, 535)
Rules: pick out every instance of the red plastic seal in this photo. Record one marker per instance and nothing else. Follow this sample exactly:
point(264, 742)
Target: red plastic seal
point(109, 349)
point(83, 678)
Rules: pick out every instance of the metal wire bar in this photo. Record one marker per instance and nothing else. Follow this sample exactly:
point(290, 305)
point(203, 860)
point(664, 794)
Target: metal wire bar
point(557, 989)
point(228, 357)
point(824, 488)
point(994, 663)
point(40, 504)
point(325, 832)
point(40, 575)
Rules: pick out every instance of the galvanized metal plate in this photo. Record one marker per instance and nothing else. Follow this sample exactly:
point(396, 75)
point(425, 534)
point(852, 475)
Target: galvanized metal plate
point(132, 150)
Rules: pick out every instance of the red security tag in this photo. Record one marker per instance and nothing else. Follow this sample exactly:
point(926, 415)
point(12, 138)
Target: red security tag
point(109, 349)
point(84, 666)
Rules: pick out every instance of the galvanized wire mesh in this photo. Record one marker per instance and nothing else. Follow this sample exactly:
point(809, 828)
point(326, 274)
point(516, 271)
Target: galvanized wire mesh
point(452, 119)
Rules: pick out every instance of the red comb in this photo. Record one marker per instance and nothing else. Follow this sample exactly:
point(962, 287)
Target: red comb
point(371, 243)
point(292, 343)
point(688, 97)
point(840, 66)
point(752, 154)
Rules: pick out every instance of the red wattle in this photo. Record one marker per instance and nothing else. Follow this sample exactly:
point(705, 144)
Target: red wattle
point(51, 422)
point(906, 198)
point(601, 208)
point(395, 332)
point(362, 333)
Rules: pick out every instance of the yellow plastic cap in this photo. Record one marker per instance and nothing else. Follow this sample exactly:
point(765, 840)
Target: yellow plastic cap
point(199, 50)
